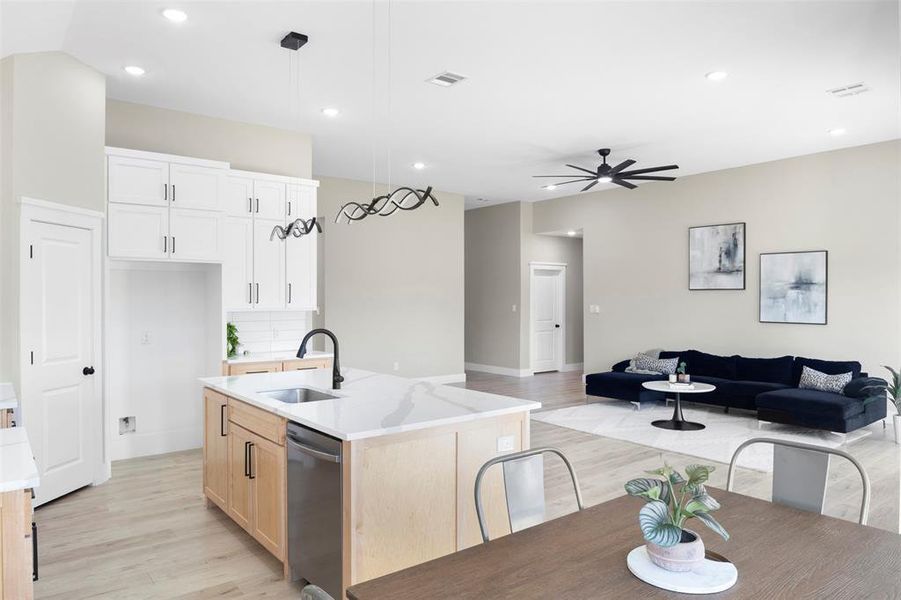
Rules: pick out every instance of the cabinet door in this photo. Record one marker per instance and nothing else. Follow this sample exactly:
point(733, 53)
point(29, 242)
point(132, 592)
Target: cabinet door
point(237, 263)
point(240, 485)
point(269, 494)
point(268, 199)
point(138, 181)
point(215, 448)
point(195, 235)
point(268, 267)
point(300, 254)
point(138, 231)
point(237, 196)
point(194, 187)
point(254, 367)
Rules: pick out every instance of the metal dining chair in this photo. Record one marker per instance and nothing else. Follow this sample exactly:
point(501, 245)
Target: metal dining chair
point(523, 486)
point(314, 592)
point(800, 473)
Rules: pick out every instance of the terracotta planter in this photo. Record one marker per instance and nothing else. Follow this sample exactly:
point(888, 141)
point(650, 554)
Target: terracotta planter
point(897, 423)
point(684, 556)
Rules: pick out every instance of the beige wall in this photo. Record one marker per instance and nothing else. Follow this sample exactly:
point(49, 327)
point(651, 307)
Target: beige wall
point(52, 115)
point(636, 248)
point(245, 146)
point(494, 268)
point(392, 287)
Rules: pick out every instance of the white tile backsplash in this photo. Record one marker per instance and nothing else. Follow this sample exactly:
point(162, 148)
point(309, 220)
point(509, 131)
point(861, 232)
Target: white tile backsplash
point(273, 331)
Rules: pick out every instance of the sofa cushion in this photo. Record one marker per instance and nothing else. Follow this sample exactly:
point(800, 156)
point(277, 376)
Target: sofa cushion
point(622, 386)
point(830, 367)
point(620, 367)
point(770, 370)
point(793, 400)
point(744, 393)
point(711, 365)
point(865, 387)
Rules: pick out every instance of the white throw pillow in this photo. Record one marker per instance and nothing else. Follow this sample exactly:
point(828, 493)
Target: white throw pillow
point(811, 379)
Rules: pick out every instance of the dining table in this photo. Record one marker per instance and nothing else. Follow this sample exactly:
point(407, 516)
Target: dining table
point(779, 552)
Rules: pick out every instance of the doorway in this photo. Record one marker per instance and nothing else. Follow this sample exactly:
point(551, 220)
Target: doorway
point(60, 312)
point(547, 283)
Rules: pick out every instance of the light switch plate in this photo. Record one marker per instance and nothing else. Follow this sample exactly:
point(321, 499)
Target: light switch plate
point(506, 443)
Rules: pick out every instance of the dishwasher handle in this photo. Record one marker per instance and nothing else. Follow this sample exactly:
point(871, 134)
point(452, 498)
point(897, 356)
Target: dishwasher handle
point(335, 458)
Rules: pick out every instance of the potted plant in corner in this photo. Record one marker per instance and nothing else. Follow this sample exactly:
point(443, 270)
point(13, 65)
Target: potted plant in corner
point(893, 389)
point(670, 501)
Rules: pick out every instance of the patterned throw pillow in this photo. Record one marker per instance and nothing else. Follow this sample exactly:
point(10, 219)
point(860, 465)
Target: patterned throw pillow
point(650, 364)
point(812, 379)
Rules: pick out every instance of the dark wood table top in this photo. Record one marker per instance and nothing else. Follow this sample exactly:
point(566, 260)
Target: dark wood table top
point(780, 552)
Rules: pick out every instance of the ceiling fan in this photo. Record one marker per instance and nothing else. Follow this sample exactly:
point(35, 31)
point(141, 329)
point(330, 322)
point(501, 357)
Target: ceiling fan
point(618, 174)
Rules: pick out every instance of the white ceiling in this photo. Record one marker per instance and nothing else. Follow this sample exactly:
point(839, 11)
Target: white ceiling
point(548, 82)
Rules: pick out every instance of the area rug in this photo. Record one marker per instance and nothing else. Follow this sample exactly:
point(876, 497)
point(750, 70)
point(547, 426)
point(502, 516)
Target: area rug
point(717, 442)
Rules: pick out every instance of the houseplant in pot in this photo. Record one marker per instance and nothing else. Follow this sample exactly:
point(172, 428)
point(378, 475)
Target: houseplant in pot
point(670, 501)
point(893, 389)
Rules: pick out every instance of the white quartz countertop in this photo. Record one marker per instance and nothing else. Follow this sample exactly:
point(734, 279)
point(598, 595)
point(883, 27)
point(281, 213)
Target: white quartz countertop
point(18, 470)
point(8, 396)
point(368, 404)
point(269, 356)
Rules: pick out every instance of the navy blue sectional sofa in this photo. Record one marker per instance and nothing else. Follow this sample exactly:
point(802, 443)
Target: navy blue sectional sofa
point(767, 385)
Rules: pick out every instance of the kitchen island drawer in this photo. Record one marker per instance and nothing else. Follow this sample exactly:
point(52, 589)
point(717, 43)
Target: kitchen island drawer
point(263, 423)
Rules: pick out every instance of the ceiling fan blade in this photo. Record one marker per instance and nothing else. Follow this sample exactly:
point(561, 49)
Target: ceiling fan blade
point(592, 173)
point(566, 175)
point(647, 177)
point(590, 185)
point(625, 184)
point(583, 180)
point(623, 165)
point(649, 170)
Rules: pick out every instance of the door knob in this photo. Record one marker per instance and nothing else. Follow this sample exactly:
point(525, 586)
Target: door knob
point(87, 371)
point(557, 325)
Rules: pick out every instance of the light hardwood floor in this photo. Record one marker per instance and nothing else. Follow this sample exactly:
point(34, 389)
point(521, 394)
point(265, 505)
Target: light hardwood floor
point(146, 534)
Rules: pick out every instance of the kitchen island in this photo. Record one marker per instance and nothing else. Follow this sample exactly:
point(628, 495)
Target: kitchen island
point(406, 453)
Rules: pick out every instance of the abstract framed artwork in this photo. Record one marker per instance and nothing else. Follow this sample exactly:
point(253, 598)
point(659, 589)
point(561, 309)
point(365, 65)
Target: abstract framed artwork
point(716, 257)
point(794, 287)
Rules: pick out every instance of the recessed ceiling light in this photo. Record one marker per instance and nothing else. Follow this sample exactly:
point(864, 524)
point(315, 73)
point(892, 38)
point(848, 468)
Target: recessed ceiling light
point(570, 232)
point(134, 70)
point(446, 79)
point(716, 75)
point(175, 15)
point(605, 179)
point(331, 112)
point(419, 166)
point(550, 187)
point(837, 131)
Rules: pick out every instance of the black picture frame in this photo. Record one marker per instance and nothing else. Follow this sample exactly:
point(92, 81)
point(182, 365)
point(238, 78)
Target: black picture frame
point(744, 258)
point(825, 320)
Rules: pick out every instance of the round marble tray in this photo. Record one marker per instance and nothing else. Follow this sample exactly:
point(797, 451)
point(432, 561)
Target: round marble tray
point(709, 578)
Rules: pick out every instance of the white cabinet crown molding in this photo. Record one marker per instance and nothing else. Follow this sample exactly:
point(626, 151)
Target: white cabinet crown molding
point(86, 212)
point(172, 158)
point(287, 179)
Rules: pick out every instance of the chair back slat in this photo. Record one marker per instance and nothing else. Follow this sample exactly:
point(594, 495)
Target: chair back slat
point(524, 488)
point(799, 477)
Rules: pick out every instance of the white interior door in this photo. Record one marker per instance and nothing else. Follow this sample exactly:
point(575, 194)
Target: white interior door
point(196, 187)
point(138, 181)
point(237, 263)
point(547, 319)
point(268, 267)
point(60, 312)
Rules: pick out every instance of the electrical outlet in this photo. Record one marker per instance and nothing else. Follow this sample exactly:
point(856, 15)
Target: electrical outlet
point(126, 425)
point(145, 338)
point(397, 366)
point(506, 443)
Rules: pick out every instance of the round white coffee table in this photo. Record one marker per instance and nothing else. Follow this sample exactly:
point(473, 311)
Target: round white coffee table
point(677, 422)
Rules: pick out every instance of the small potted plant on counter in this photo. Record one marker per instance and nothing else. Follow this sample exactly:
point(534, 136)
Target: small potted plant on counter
point(231, 339)
point(671, 500)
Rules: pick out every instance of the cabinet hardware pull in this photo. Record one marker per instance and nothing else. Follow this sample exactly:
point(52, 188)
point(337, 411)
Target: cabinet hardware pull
point(165, 192)
point(258, 205)
point(251, 474)
point(165, 244)
point(258, 293)
point(222, 431)
point(173, 192)
point(246, 459)
point(289, 293)
point(250, 205)
point(249, 293)
point(173, 244)
point(289, 208)
point(34, 550)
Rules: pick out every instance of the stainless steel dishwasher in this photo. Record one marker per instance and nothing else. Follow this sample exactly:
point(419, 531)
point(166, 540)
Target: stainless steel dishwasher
point(314, 508)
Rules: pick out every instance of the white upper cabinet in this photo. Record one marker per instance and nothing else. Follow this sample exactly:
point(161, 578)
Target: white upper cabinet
point(268, 267)
point(237, 196)
point(138, 181)
point(195, 235)
point(138, 231)
point(269, 199)
point(237, 263)
point(195, 187)
point(300, 253)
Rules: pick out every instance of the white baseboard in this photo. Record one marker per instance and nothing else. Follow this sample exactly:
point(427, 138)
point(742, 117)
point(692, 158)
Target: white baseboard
point(454, 378)
point(133, 445)
point(572, 367)
point(498, 370)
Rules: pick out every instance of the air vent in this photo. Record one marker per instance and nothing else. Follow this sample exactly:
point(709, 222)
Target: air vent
point(852, 89)
point(446, 79)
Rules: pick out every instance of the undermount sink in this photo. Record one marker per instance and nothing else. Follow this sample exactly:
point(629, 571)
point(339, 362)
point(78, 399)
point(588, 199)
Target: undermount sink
point(296, 395)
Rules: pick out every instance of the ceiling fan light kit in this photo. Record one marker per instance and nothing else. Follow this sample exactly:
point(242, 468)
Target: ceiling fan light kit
point(605, 173)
